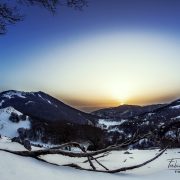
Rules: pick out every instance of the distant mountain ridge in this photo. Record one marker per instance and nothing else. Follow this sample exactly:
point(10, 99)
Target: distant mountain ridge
point(162, 121)
point(126, 111)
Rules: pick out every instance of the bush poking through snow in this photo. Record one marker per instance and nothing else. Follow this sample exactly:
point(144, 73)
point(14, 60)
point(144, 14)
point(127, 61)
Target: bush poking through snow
point(14, 117)
point(27, 144)
point(16, 139)
point(22, 117)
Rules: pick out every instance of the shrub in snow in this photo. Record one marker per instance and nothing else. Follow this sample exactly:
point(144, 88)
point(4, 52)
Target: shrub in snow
point(22, 117)
point(27, 144)
point(22, 133)
point(14, 117)
point(127, 152)
point(143, 144)
point(16, 139)
point(170, 135)
point(178, 135)
point(91, 147)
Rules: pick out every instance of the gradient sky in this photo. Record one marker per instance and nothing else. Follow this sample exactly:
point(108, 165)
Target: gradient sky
point(111, 53)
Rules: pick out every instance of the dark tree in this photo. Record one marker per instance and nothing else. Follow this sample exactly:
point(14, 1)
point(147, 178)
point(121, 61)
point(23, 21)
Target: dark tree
point(9, 14)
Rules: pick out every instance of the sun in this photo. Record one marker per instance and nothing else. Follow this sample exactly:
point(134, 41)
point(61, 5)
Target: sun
point(122, 98)
point(122, 102)
point(121, 95)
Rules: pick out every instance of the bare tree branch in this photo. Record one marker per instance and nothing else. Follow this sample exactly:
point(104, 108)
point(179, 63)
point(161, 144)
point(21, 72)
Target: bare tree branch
point(89, 155)
point(119, 169)
point(100, 163)
point(98, 157)
point(9, 14)
point(77, 154)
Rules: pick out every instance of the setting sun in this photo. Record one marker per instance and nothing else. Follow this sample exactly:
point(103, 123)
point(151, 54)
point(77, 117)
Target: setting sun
point(121, 94)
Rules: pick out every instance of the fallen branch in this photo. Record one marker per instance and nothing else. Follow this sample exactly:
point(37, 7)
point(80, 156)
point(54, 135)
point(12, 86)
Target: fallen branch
point(75, 154)
point(94, 169)
point(89, 155)
point(98, 157)
point(119, 169)
point(100, 164)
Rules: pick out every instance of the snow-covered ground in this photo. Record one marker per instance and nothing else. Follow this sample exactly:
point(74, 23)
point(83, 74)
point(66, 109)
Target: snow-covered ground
point(108, 123)
point(16, 167)
point(9, 128)
point(11, 94)
point(175, 107)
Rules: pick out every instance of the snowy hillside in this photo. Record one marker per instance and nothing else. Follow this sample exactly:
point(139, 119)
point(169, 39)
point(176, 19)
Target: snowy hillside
point(16, 167)
point(9, 128)
point(161, 121)
point(44, 107)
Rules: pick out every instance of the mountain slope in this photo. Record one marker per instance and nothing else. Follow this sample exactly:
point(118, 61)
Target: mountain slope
point(23, 129)
point(51, 121)
point(163, 123)
point(42, 106)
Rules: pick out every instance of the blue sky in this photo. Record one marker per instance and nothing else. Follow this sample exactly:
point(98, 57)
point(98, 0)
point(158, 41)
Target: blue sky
point(113, 52)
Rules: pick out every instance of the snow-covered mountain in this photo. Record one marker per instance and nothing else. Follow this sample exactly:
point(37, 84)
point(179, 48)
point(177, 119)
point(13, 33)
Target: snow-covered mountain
point(43, 106)
point(51, 121)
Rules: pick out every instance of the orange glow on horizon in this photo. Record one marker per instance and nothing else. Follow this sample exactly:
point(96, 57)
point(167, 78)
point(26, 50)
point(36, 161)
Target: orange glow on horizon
point(93, 103)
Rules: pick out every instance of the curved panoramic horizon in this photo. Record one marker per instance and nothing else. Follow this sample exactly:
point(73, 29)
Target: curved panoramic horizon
point(125, 52)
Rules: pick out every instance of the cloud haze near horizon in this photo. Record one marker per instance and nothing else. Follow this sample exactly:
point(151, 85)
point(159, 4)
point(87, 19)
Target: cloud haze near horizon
point(107, 68)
